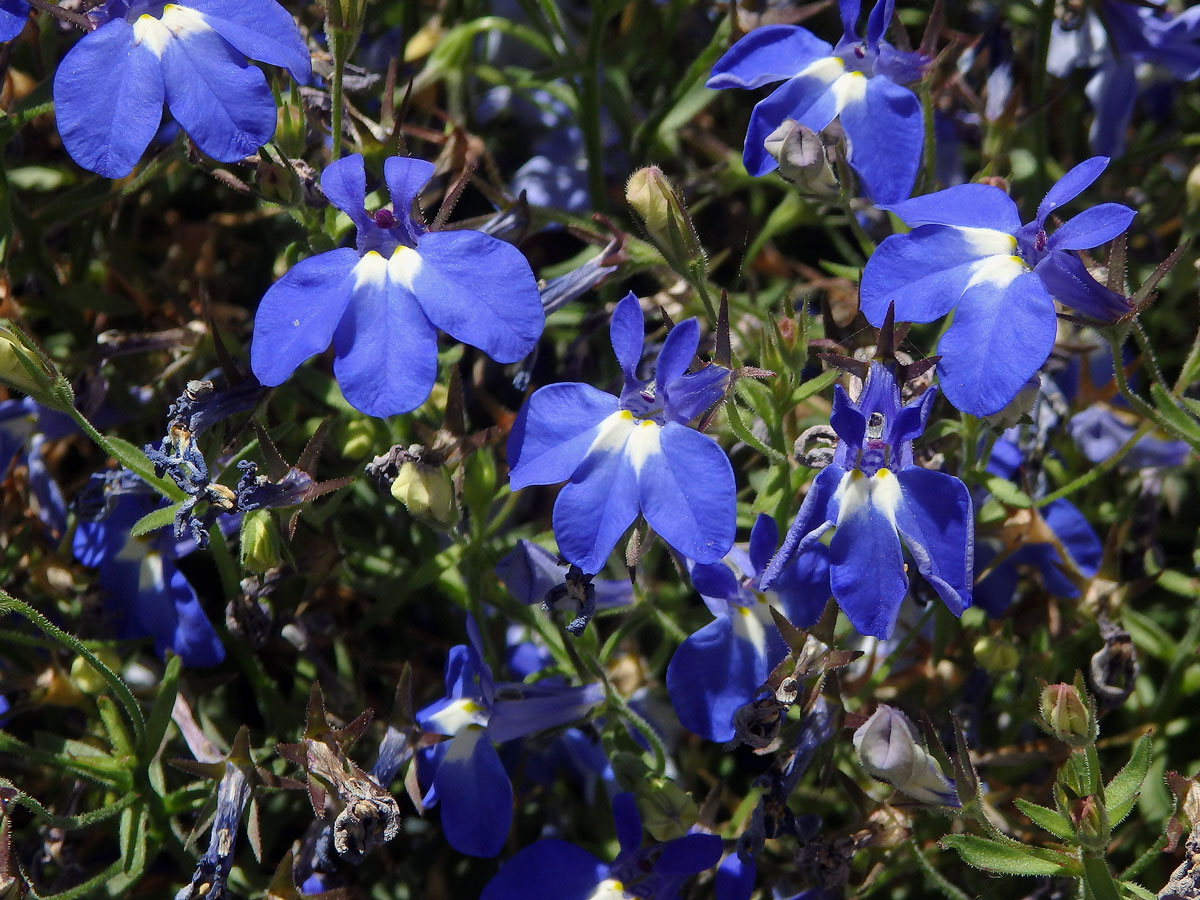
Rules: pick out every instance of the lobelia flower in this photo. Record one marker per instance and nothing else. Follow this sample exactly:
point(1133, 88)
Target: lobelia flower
point(1131, 46)
point(874, 494)
point(13, 15)
point(859, 82)
point(109, 89)
point(552, 869)
point(469, 781)
point(1067, 525)
point(633, 453)
point(968, 252)
point(146, 592)
point(383, 301)
point(721, 667)
point(888, 749)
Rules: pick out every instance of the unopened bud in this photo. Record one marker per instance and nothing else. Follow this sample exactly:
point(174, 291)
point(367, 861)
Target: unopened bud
point(357, 438)
point(1192, 188)
point(425, 492)
point(667, 810)
point(667, 223)
point(1091, 823)
point(23, 368)
point(260, 542)
point(1066, 715)
point(84, 676)
point(802, 160)
point(888, 749)
point(995, 655)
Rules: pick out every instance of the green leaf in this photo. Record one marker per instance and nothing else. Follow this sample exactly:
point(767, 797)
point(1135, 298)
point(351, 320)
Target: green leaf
point(1046, 819)
point(153, 521)
point(1006, 859)
point(746, 436)
point(1098, 880)
point(164, 704)
point(1126, 784)
point(1136, 890)
point(1007, 492)
point(1149, 636)
point(135, 460)
point(815, 385)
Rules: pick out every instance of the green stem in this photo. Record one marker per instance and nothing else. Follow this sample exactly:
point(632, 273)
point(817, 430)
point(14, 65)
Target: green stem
point(1145, 409)
point(1152, 854)
point(336, 98)
point(589, 112)
point(936, 879)
point(1041, 130)
point(1099, 469)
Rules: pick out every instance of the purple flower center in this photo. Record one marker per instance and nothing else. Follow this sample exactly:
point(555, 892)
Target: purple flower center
point(384, 218)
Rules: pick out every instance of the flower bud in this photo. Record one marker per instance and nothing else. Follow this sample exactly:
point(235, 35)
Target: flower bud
point(888, 749)
point(667, 223)
point(995, 655)
point(84, 676)
point(425, 492)
point(260, 542)
point(357, 438)
point(1066, 714)
point(1091, 824)
point(23, 368)
point(802, 160)
point(667, 810)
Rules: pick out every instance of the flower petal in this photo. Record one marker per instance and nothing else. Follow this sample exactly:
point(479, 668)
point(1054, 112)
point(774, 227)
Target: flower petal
point(554, 431)
point(810, 523)
point(677, 352)
point(926, 271)
point(803, 588)
point(574, 874)
point(938, 525)
point(689, 854)
point(474, 793)
point(298, 314)
point(13, 16)
point(108, 97)
point(687, 490)
point(866, 563)
point(879, 20)
point(1067, 279)
point(627, 332)
point(764, 538)
point(385, 349)
point(559, 706)
point(1071, 185)
point(344, 182)
point(965, 205)
point(1003, 331)
point(767, 54)
point(601, 501)
point(405, 176)
point(222, 102)
point(884, 134)
point(479, 290)
point(1113, 89)
point(719, 669)
point(1092, 227)
point(259, 29)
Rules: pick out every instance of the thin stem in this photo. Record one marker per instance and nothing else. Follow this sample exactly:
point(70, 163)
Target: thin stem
point(66, 15)
point(936, 879)
point(589, 113)
point(1099, 469)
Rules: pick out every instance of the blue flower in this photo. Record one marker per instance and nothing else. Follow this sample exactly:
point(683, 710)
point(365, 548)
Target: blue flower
point(146, 592)
point(25, 426)
point(552, 869)
point(382, 303)
point(1128, 45)
point(969, 252)
point(109, 89)
point(874, 495)
point(469, 781)
point(13, 15)
point(630, 454)
point(858, 82)
point(721, 667)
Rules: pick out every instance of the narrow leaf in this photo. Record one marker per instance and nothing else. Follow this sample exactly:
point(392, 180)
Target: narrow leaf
point(1126, 784)
point(1006, 859)
point(1046, 819)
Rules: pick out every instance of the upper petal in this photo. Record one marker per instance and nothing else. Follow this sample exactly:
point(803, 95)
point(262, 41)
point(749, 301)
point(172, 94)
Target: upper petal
point(687, 490)
point(554, 431)
point(627, 332)
point(1071, 185)
point(558, 706)
point(938, 525)
point(344, 182)
point(1003, 331)
point(259, 29)
point(1092, 227)
point(108, 97)
point(767, 54)
point(477, 289)
point(222, 102)
point(298, 313)
point(13, 16)
point(385, 349)
point(405, 176)
point(677, 352)
point(879, 20)
point(884, 134)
